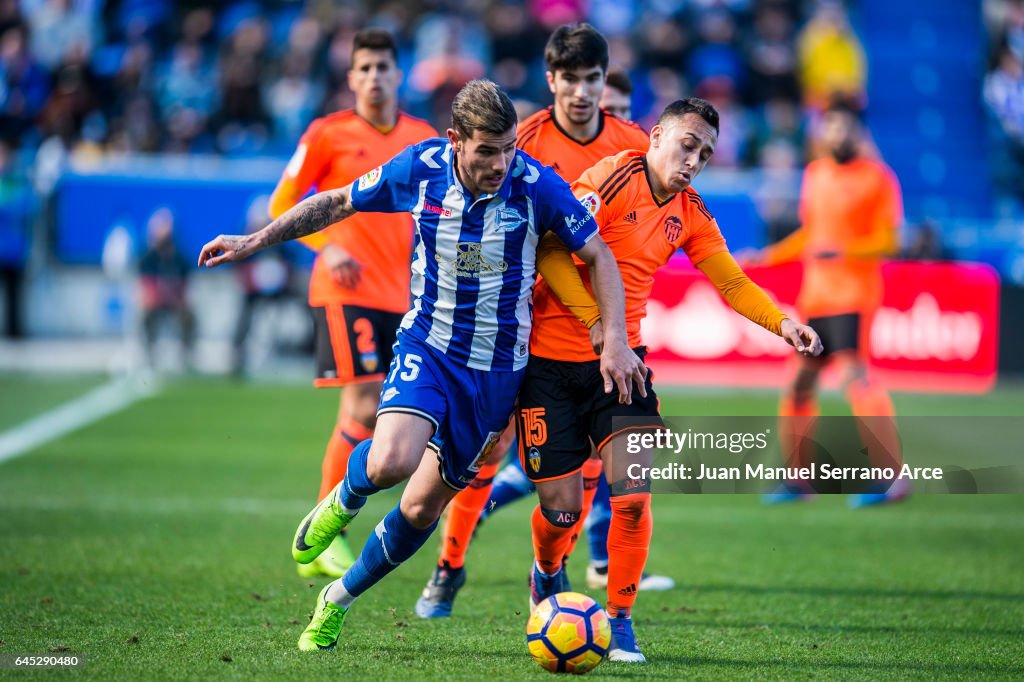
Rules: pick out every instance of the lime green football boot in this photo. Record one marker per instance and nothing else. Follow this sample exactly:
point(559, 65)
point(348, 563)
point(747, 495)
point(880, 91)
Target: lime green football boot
point(318, 530)
point(325, 627)
point(333, 563)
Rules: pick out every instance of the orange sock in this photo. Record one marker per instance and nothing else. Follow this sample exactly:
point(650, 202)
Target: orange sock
point(799, 418)
point(876, 423)
point(347, 434)
point(463, 514)
point(629, 542)
point(592, 471)
point(550, 541)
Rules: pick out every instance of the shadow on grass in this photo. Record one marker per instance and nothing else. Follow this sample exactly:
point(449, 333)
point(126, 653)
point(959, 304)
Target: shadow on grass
point(850, 628)
point(838, 666)
point(871, 593)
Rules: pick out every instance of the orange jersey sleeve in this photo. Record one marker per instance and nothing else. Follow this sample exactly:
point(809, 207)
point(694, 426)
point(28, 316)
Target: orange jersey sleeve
point(335, 151)
point(541, 137)
point(642, 235)
point(745, 297)
point(851, 215)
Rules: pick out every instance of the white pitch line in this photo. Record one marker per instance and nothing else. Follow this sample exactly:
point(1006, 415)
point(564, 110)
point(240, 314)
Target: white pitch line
point(91, 407)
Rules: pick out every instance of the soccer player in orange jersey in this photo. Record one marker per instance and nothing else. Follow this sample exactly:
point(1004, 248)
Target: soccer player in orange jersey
point(646, 211)
point(617, 96)
point(851, 210)
point(359, 289)
point(570, 136)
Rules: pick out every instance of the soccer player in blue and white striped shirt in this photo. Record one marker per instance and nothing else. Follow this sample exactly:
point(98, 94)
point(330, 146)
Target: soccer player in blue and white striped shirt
point(480, 208)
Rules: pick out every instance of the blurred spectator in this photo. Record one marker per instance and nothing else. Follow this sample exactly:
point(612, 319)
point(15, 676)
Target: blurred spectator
point(772, 56)
point(515, 44)
point(553, 13)
point(831, 57)
point(778, 133)
point(292, 97)
point(925, 242)
point(1004, 97)
point(163, 279)
point(186, 95)
point(266, 282)
point(242, 124)
point(24, 84)
point(73, 101)
point(735, 138)
point(15, 206)
point(451, 50)
point(59, 28)
point(718, 56)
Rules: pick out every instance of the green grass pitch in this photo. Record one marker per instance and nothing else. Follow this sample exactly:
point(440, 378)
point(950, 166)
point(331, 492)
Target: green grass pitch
point(155, 544)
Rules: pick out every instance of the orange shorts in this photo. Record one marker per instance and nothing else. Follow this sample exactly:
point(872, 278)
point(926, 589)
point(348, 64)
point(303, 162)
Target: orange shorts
point(353, 343)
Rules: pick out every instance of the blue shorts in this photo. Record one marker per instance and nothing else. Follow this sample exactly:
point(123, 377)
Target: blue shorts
point(468, 407)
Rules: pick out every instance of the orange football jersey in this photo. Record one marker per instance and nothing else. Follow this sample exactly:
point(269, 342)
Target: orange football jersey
point(642, 234)
point(334, 151)
point(851, 211)
point(541, 137)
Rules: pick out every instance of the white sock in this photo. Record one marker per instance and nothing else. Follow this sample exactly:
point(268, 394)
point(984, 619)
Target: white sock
point(338, 595)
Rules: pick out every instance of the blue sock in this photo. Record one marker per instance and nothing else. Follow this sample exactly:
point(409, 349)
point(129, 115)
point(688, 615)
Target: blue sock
point(510, 484)
point(393, 541)
point(598, 523)
point(357, 486)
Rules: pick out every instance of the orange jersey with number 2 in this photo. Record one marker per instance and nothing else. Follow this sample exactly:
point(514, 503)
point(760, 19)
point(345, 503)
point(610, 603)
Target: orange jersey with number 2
point(335, 151)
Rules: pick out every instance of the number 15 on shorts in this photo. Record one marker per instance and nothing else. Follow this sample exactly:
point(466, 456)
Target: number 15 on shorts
point(405, 367)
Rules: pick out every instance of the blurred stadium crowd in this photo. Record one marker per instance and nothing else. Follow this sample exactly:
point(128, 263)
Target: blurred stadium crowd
point(1004, 94)
point(245, 78)
point(104, 80)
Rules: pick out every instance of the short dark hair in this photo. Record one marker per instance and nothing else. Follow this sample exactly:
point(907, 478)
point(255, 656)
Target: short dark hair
point(576, 46)
point(482, 105)
point(691, 105)
point(619, 79)
point(374, 39)
point(840, 104)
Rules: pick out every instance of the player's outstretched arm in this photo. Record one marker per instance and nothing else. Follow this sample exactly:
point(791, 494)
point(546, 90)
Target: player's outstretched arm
point(619, 364)
point(311, 215)
point(753, 303)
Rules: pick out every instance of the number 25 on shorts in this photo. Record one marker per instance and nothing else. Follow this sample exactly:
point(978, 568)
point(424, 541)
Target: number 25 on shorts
point(535, 429)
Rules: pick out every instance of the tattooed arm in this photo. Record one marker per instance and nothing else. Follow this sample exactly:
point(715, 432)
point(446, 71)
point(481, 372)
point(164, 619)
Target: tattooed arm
point(307, 217)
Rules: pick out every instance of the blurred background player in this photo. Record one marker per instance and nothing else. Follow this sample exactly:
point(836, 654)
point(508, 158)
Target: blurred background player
point(359, 288)
point(646, 210)
point(163, 285)
point(617, 97)
point(851, 211)
point(570, 136)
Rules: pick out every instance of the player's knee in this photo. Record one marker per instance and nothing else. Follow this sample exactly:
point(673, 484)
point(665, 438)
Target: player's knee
point(389, 464)
point(631, 508)
point(855, 378)
point(561, 518)
point(422, 514)
point(804, 384)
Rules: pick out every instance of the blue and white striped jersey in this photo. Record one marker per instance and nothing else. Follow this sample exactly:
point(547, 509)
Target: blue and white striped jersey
point(474, 261)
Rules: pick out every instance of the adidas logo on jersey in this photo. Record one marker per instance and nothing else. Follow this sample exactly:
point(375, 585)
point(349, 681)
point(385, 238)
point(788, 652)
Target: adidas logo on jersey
point(631, 218)
point(628, 591)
